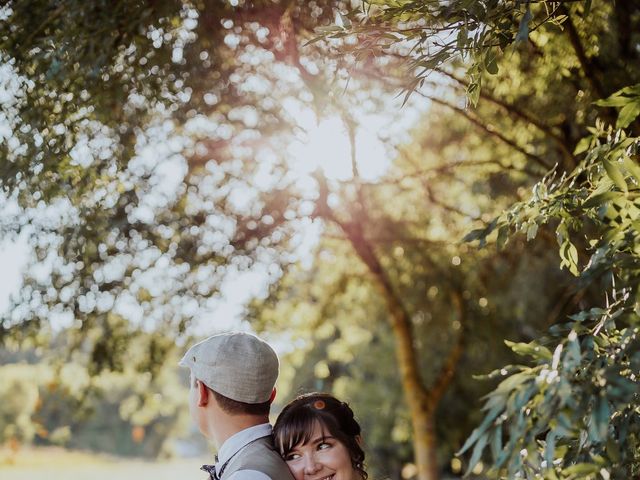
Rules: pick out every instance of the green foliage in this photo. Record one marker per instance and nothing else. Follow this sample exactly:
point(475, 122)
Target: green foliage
point(628, 100)
point(574, 414)
point(599, 197)
point(432, 34)
point(571, 415)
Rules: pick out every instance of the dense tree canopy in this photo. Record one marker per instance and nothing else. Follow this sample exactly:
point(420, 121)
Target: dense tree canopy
point(146, 158)
point(136, 132)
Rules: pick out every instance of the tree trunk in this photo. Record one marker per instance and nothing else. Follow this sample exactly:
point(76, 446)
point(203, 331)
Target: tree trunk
point(425, 446)
point(420, 400)
point(421, 403)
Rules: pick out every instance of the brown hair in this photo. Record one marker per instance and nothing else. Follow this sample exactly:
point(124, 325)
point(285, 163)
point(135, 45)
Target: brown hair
point(234, 407)
point(296, 423)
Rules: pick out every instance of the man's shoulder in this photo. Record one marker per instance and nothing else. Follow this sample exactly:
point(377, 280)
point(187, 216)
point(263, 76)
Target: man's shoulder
point(259, 456)
point(260, 449)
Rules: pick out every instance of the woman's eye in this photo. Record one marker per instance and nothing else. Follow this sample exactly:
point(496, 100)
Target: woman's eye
point(291, 456)
point(324, 446)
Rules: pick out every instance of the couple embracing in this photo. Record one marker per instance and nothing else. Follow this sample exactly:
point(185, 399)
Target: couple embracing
point(233, 378)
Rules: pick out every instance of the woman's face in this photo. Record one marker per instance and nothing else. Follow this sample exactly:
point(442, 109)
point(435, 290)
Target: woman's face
point(322, 458)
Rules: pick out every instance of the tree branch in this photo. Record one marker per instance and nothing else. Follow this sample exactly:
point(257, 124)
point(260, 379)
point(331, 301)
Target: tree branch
point(517, 112)
point(588, 67)
point(395, 239)
point(488, 130)
point(440, 203)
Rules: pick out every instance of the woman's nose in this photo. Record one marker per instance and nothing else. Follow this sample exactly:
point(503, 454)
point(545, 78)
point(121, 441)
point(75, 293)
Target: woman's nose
point(310, 465)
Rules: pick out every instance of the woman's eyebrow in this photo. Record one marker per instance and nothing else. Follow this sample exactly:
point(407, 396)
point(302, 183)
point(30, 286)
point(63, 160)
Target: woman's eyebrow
point(321, 439)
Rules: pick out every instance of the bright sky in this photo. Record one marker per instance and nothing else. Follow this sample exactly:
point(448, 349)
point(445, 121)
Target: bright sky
point(12, 258)
point(326, 145)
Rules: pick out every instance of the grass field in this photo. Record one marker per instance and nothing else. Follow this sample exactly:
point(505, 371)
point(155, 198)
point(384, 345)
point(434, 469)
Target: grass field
point(60, 464)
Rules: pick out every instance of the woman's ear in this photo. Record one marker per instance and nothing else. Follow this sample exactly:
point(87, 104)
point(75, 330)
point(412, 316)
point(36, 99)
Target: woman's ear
point(359, 440)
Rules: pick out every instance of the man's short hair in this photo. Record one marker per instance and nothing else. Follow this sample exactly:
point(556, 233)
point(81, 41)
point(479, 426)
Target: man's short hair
point(234, 407)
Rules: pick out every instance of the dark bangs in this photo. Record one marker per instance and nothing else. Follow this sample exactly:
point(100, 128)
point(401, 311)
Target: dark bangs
point(296, 430)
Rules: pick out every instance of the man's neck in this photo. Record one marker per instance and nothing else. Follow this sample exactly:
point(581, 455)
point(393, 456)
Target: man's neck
point(232, 424)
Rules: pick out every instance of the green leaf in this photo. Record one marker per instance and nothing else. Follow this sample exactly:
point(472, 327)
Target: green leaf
point(628, 114)
point(631, 90)
point(565, 426)
point(475, 435)
point(342, 20)
point(496, 443)
point(476, 234)
point(632, 167)
point(522, 397)
point(550, 448)
point(490, 61)
point(313, 40)
point(477, 453)
point(569, 256)
point(614, 173)
point(461, 41)
point(581, 469)
point(613, 450)
point(531, 349)
point(328, 29)
point(513, 382)
point(572, 354)
point(600, 199)
point(473, 93)
point(562, 233)
point(503, 237)
point(628, 100)
point(492, 67)
point(614, 100)
point(583, 145)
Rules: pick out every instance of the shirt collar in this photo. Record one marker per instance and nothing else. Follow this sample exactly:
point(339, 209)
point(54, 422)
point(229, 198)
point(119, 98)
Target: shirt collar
point(234, 443)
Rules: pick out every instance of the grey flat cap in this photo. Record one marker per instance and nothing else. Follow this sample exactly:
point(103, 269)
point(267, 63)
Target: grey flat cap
point(238, 365)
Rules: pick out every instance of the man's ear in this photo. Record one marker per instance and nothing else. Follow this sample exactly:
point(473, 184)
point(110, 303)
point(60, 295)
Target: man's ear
point(273, 395)
point(203, 394)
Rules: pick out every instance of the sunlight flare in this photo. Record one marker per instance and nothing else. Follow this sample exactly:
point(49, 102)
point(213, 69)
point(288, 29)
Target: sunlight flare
point(325, 145)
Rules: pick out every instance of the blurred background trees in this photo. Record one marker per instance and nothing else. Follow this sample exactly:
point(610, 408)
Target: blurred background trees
point(113, 413)
point(147, 158)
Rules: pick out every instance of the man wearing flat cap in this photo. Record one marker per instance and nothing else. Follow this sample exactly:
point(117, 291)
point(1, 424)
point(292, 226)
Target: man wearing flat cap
point(233, 378)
